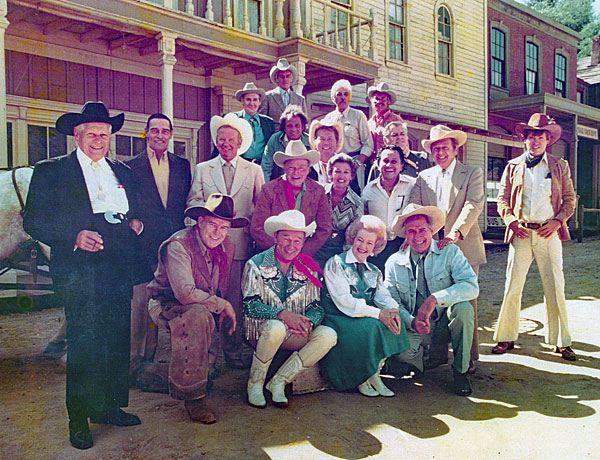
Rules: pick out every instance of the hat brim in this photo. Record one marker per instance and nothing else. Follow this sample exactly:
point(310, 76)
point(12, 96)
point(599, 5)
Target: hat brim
point(193, 212)
point(239, 94)
point(66, 123)
point(337, 126)
point(459, 136)
point(312, 156)
point(273, 225)
point(276, 69)
point(554, 131)
point(435, 214)
point(239, 124)
point(373, 89)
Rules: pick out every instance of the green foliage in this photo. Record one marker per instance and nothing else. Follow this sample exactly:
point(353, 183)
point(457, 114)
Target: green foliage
point(575, 14)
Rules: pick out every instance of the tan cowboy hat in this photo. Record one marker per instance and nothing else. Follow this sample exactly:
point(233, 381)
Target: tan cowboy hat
point(92, 112)
point(283, 64)
point(435, 214)
point(337, 126)
point(249, 88)
point(289, 220)
point(441, 132)
point(217, 205)
point(540, 122)
point(237, 123)
point(381, 87)
point(296, 150)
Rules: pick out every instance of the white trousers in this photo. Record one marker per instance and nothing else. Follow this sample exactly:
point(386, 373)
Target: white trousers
point(548, 256)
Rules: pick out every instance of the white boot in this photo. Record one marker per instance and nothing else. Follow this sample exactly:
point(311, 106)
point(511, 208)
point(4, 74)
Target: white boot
point(284, 375)
point(366, 389)
point(256, 381)
point(377, 383)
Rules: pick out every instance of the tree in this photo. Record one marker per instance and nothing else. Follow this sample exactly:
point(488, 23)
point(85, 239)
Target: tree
point(575, 14)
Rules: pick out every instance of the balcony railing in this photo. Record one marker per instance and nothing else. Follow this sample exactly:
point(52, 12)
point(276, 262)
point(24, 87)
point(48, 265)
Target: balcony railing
point(321, 21)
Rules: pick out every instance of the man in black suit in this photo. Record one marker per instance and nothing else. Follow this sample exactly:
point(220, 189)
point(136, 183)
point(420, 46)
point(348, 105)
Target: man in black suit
point(83, 206)
point(163, 182)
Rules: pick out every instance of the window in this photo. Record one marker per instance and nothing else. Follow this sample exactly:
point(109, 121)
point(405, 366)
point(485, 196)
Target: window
point(253, 14)
point(396, 29)
point(128, 146)
point(44, 143)
point(531, 68)
point(444, 41)
point(560, 75)
point(341, 19)
point(498, 70)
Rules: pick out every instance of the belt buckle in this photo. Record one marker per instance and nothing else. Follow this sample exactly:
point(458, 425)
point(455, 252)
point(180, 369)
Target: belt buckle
point(114, 217)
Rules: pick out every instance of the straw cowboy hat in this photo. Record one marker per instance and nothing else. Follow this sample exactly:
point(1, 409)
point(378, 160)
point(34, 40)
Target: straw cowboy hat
point(435, 214)
point(217, 205)
point(289, 220)
point(249, 88)
point(540, 122)
point(92, 112)
point(283, 64)
point(296, 150)
point(441, 132)
point(337, 126)
point(235, 122)
point(381, 87)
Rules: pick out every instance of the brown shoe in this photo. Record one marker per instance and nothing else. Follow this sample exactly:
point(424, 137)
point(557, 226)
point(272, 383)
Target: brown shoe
point(198, 411)
point(503, 347)
point(567, 353)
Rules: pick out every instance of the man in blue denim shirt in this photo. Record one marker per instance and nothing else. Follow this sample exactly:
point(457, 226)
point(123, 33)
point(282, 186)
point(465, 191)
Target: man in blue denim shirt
point(432, 287)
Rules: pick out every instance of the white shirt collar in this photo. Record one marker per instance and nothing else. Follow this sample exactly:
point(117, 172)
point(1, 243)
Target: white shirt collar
point(450, 169)
point(86, 161)
point(232, 162)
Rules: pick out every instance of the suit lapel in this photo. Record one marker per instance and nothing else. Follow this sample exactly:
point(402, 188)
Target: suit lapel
point(279, 100)
point(431, 177)
point(458, 179)
point(78, 188)
point(241, 172)
point(217, 175)
point(148, 177)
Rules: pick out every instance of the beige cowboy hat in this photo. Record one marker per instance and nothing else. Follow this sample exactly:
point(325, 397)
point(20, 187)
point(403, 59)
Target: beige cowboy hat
point(217, 205)
point(381, 87)
point(283, 64)
point(249, 87)
point(92, 112)
point(289, 220)
point(540, 122)
point(337, 126)
point(441, 132)
point(237, 123)
point(296, 150)
point(435, 214)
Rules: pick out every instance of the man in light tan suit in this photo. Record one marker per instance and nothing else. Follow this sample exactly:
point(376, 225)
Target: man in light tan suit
point(231, 175)
point(456, 189)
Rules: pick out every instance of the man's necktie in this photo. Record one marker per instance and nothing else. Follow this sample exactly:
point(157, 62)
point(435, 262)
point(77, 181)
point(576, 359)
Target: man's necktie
point(286, 98)
point(422, 290)
point(228, 176)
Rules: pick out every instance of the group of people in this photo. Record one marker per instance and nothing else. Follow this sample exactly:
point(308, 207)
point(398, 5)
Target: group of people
point(330, 242)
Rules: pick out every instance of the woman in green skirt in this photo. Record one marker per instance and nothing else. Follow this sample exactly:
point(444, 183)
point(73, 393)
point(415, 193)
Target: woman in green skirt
point(362, 312)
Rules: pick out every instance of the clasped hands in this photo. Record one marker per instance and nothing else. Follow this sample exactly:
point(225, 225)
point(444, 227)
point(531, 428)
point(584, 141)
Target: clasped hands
point(91, 241)
point(391, 319)
point(297, 324)
point(420, 323)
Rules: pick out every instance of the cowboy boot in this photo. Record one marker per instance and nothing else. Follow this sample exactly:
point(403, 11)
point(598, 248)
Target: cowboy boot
point(284, 375)
point(256, 381)
point(377, 383)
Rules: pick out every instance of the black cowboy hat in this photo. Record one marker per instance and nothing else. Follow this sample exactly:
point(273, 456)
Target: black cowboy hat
point(90, 113)
point(217, 205)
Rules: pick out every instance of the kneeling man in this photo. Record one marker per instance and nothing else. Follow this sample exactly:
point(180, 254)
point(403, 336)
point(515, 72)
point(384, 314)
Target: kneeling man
point(282, 309)
point(433, 288)
point(193, 271)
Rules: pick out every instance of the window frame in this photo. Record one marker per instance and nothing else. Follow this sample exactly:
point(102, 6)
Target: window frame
point(449, 43)
point(500, 28)
point(538, 82)
point(402, 26)
point(562, 54)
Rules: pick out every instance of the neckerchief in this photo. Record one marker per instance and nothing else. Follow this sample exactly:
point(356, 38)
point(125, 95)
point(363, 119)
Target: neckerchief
point(289, 193)
point(532, 161)
point(218, 256)
point(301, 262)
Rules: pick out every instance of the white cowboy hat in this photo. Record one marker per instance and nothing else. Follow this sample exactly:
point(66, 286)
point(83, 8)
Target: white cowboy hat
point(283, 64)
point(337, 126)
point(217, 205)
point(441, 132)
point(435, 214)
point(237, 123)
point(381, 87)
point(249, 88)
point(296, 150)
point(540, 122)
point(289, 220)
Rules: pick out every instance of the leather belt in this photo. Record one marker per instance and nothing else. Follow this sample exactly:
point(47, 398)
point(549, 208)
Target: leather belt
point(532, 225)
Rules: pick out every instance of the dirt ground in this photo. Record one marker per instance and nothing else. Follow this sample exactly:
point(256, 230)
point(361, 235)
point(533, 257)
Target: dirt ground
point(529, 404)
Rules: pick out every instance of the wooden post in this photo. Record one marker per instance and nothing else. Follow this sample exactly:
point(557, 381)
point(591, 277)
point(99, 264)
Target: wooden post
point(580, 217)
